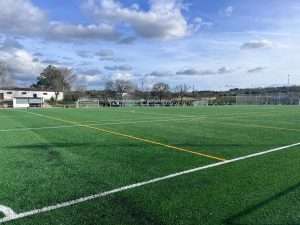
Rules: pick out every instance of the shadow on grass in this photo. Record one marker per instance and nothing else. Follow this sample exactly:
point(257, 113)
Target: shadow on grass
point(130, 143)
point(66, 145)
point(55, 151)
point(232, 220)
point(136, 211)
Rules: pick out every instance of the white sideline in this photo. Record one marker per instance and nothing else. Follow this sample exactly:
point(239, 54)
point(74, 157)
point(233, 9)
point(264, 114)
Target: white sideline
point(124, 188)
point(98, 124)
point(8, 212)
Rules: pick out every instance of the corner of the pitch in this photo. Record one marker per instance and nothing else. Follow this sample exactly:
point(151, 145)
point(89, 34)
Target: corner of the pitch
point(7, 212)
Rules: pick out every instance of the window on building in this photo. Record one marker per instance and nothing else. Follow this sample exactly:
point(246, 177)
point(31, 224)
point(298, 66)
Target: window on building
point(24, 93)
point(9, 93)
point(45, 93)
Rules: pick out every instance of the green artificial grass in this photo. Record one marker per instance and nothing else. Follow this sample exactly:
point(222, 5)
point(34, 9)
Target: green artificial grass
point(42, 167)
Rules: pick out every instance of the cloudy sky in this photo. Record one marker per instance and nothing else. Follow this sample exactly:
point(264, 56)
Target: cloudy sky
point(205, 44)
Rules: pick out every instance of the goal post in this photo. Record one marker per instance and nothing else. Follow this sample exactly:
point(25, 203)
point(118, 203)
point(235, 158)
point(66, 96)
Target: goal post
point(88, 103)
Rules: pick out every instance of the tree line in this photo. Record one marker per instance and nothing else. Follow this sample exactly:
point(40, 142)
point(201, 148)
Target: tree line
point(57, 79)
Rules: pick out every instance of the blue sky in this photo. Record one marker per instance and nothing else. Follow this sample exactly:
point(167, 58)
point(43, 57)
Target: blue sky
point(208, 45)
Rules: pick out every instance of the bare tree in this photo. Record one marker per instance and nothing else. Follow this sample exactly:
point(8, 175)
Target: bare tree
point(109, 86)
point(80, 88)
point(160, 90)
point(6, 79)
point(120, 87)
point(143, 90)
point(181, 91)
point(124, 86)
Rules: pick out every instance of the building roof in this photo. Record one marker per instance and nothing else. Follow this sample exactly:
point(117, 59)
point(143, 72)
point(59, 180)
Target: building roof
point(27, 98)
point(24, 89)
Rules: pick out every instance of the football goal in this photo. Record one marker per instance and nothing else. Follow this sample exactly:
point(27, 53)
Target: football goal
point(88, 103)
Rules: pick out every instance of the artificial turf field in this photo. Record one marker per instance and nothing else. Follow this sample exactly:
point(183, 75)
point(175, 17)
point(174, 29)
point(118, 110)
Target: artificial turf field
point(52, 156)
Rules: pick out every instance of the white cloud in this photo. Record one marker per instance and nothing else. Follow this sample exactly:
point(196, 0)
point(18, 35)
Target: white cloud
point(163, 20)
point(107, 55)
point(258, 44)
point(119, 68)
point(195, 72)
point(84, 54)
point(199, 23)
point(21, 17)
point(224, 70)
point(121, 75)
point(191, 72)
point(127, 40)
point(10, 43)
point(160, 74)
point(51, 62)
point(21, 64)
point(93, 81)
point(229, 10)
point(65, 31)
point(256, 69)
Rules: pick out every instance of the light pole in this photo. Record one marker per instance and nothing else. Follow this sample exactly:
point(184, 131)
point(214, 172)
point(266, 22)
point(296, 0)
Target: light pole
point(289, 79)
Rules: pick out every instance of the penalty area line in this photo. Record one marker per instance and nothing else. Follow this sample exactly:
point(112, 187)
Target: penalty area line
point(136, 185)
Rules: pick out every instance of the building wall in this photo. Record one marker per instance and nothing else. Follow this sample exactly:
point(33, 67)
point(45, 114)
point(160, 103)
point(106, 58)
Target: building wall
point(19, 105)
point(46, 95)
point(27, 102)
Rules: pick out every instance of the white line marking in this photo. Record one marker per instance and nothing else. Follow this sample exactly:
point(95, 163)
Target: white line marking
point(162, 114)
point(132, 186)
point(149, 121)
point(8, 212)
point(90, 121)
point(96, 124)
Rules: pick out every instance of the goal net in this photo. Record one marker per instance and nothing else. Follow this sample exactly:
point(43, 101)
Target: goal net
point(88, 103)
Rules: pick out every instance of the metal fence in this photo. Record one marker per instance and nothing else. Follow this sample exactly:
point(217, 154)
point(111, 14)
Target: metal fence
point(218, 100)
point(267, 100)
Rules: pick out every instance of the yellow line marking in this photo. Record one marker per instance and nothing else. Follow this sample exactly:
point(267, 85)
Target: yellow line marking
point(154, 142)
point(132, 137)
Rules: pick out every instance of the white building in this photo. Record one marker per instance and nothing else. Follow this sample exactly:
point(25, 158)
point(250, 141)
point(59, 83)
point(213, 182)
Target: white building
point(23, 98)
